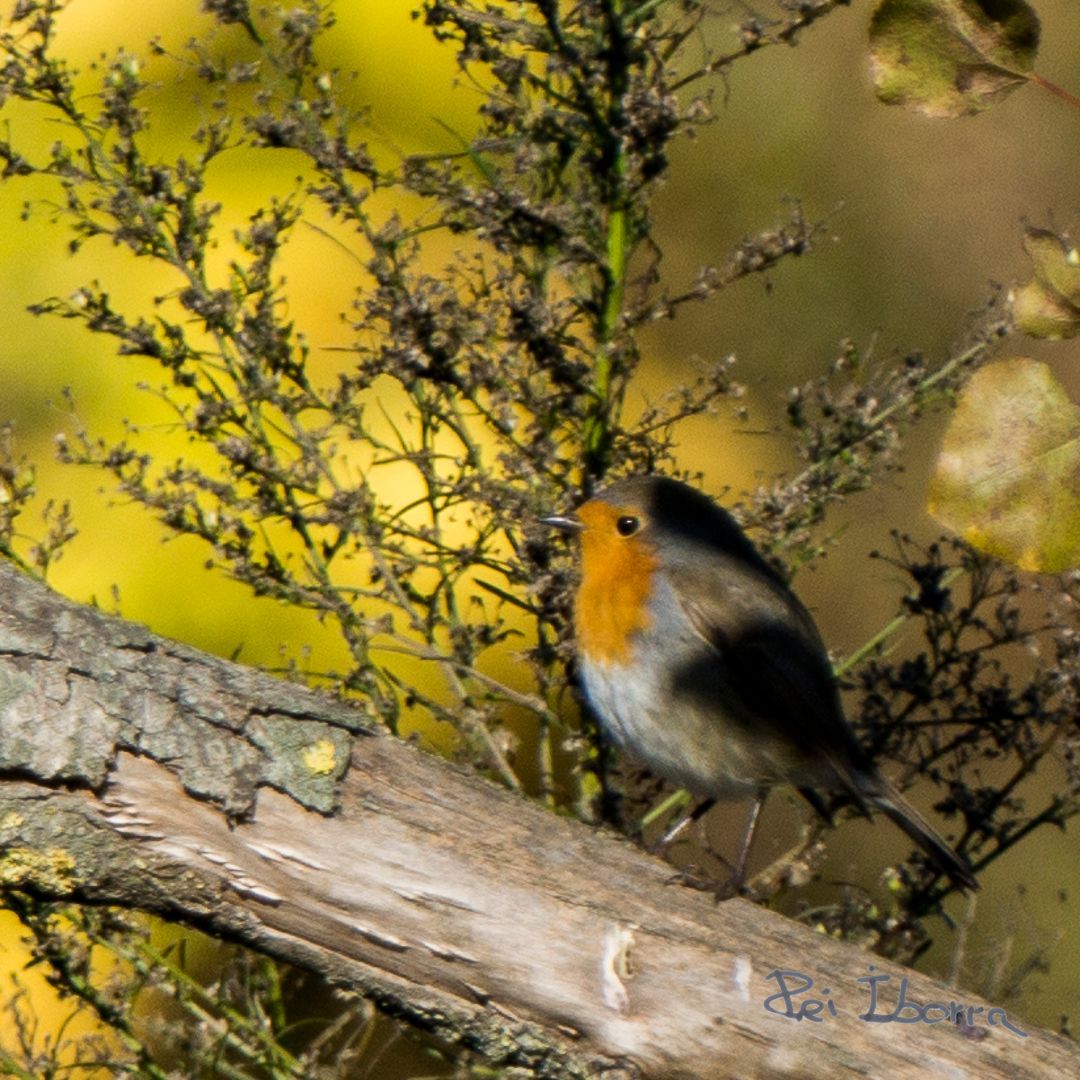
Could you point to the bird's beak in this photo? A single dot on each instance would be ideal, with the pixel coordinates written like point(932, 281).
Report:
point(563, 523)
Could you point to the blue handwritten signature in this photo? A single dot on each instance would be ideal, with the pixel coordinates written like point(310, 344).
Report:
point(794, 1001)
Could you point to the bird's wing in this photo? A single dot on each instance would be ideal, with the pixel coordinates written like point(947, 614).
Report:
point(774, 663)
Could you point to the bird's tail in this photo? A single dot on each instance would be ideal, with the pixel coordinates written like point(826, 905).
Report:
point(887, 799)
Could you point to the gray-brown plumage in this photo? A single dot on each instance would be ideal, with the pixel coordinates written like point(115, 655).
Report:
point(718, 678)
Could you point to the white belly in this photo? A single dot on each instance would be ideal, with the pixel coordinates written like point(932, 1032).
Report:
point(677, 742)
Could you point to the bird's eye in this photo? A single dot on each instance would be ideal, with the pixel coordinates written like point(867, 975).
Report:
point(627, 525)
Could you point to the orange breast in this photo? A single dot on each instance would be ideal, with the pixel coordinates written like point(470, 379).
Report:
point(616, 580)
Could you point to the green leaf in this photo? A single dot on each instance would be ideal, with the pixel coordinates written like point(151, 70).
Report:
point(1057, 263)
point(1040, 313)
point(1049, 305)
point(948, 58)
point(1008, 476)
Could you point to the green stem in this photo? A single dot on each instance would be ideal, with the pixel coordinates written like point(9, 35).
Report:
point(676, 801)
point(616, 257)
point(887, 631)
point(597, 426)
point(643, 11)
point(904, 402)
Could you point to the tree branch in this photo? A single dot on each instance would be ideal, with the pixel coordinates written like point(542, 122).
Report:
point(143, 773)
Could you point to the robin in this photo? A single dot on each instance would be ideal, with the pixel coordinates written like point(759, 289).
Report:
point(698, 659)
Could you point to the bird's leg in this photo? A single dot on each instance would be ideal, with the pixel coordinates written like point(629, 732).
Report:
point(738, 876)
point(734, 885)
point(684, 823)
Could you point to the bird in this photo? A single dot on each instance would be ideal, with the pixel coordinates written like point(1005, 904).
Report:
point(697, 658)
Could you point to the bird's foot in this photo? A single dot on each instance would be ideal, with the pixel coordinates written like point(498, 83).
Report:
point(722, 889)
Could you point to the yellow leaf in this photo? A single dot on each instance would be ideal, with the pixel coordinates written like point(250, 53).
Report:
point(1008, 475)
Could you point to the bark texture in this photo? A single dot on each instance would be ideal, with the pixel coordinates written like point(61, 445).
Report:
point(140, 772)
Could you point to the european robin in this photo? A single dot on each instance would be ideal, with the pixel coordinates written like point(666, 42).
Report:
point(699, 660)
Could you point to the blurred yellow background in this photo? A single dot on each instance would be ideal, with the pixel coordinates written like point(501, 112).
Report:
point(921, 217)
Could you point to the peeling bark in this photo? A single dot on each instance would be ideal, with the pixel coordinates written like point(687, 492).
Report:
point(140, 772)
